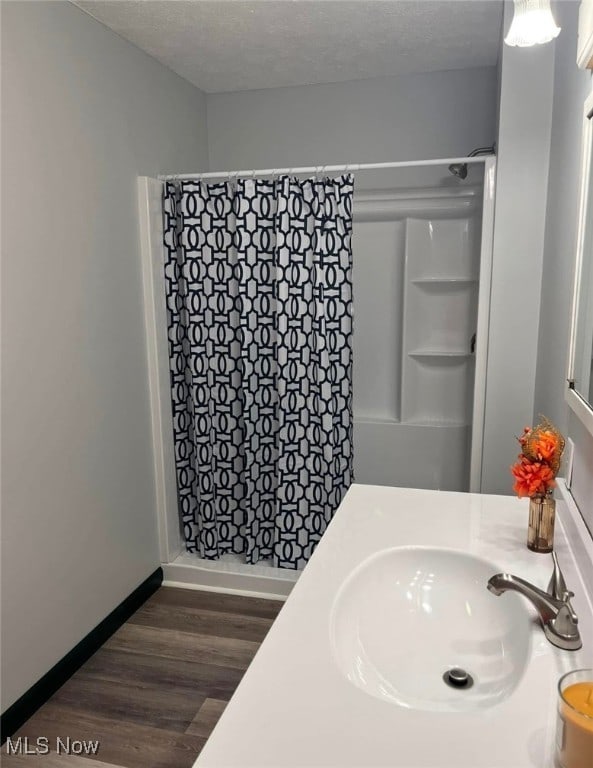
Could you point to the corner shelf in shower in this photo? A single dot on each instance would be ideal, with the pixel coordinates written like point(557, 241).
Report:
point(444, 281)
point(438, 355)
point(440, 307)
point(438, 423)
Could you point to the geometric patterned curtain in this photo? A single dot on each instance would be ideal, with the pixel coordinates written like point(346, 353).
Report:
point(259, 297)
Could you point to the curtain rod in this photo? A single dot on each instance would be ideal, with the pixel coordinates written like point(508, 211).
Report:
point(321, 169)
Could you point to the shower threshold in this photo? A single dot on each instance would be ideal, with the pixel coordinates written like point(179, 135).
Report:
point(230, 574)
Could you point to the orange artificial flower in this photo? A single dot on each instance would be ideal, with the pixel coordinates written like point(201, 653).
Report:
point(543, 443)
point(545, 446)
point(532, 478)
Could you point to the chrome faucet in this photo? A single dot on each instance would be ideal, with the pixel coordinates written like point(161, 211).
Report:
point(555, 611)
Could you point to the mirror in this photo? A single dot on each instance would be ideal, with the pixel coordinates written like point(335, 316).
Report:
point(580, 372)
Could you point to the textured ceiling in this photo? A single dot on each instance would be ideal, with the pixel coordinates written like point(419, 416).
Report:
point(235, 45)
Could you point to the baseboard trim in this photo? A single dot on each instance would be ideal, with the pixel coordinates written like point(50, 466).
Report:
point(225, 590)
point(186, 572)
point(38, 694)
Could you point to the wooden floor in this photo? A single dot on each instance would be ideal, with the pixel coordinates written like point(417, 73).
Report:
point(153, 693)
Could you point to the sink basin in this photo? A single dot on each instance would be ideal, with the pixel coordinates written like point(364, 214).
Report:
point(405, 616)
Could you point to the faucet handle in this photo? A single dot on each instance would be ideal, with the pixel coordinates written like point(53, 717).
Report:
point(557, 586)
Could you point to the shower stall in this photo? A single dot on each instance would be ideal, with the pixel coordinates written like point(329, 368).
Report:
point(422, 248)
point(421, 275)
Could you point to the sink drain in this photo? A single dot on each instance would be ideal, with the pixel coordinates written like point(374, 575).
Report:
point(458, 678)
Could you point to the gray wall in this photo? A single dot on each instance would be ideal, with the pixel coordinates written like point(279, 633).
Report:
point(526, 96)
point(83, 114)
point(438, 114)
point(571, 87)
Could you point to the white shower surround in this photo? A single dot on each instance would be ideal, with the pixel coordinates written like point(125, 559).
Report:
point(416, 283)
point(181, 569)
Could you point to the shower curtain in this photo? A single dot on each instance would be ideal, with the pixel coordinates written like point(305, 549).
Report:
point(259, 296)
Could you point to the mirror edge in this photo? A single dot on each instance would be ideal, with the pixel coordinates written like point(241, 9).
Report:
point(579, 406)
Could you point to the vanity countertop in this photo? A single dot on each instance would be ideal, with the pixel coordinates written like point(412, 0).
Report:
point(295, 708)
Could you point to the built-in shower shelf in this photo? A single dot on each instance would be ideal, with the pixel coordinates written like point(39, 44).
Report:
point(435, 355)
point(444, 281)
point(440, 423)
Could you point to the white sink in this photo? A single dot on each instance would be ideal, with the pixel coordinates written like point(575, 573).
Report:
point(406, 615)
point(370, 691)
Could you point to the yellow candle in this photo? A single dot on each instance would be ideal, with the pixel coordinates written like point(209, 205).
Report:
point(575, 732)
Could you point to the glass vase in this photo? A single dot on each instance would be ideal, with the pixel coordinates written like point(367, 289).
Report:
point(542, 515)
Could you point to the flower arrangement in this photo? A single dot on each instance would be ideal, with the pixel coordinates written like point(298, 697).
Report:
point(539, 461)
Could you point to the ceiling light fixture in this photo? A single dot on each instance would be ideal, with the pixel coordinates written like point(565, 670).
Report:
point(533, 24)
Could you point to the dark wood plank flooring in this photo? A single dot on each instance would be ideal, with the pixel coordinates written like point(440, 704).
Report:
point(153, 693)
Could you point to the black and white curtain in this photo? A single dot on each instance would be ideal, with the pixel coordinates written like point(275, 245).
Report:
point(259, 296)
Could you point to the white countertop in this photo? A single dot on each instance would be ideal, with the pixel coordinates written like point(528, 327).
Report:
point(295, 708)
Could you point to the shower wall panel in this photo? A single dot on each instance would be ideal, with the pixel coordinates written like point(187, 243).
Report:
point(416, 277)
point(411, 455)
point(378, 295)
